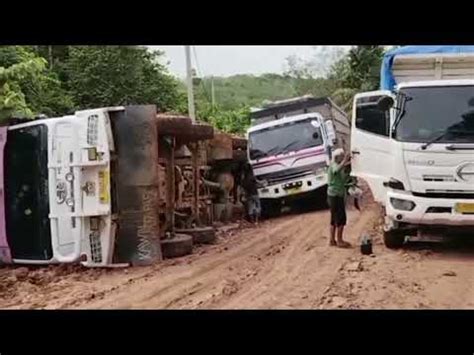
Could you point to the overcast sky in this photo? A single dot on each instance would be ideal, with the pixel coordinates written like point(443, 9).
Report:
point(230, 60)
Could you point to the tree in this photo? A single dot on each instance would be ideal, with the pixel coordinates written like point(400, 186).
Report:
point(13, 102)
point(41, 89)
point(358, 71)
point(310, 77)
point(230, 121)
point(119, 75)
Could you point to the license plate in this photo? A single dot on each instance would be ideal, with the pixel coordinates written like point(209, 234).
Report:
point(293, 191)
point(104, 195)
point(464, 207)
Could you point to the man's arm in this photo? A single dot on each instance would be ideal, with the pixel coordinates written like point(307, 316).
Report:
point(344, 162)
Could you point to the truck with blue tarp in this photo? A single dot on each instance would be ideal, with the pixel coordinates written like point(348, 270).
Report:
point(412, 141)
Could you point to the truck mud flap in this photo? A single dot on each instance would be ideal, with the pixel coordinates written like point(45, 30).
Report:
point(136, 185)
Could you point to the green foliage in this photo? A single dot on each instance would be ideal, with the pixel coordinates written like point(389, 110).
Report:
point(358, 71)
point(56, 80)
point(119, 75)
point(230, 121)
point(238, 90)
point(17, 68)
point(37, 88)
point(343, 98)
point(360, 68)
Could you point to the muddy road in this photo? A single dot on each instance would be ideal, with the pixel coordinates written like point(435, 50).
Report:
point(284, 263)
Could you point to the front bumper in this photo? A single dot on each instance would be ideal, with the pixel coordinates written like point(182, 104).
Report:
point(421, 215)
point(308, 184)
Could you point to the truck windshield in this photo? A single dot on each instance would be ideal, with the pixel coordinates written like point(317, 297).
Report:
point(444, 114)
point(26, 192)
point(283, 139)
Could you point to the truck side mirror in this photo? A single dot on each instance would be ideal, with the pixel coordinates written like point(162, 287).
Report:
point(315, 124)
point(330, 132)
point(385, 103)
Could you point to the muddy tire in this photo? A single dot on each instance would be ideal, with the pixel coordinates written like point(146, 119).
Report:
point(203, 235)
point(179, 245)
point(393, 239)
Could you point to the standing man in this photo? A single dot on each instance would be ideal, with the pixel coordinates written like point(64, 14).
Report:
point(250, 186)
point(337, 180)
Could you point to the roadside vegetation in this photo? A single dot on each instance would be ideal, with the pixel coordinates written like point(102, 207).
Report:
point(56, 80)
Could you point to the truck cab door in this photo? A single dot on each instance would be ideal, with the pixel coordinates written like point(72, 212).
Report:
point(370, 142)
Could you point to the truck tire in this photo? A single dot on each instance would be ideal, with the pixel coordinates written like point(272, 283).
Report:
point(393, 239)
point(203, 235)
point(179, 245)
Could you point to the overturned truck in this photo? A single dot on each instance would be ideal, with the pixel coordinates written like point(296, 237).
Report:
point(107, 187)
point(198, 170)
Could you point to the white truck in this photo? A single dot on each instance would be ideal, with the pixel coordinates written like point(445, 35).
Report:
point(289, 148)
point(413, 141)
point(68, 183)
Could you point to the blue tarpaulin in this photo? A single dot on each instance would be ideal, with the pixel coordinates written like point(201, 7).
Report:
point(387, 81)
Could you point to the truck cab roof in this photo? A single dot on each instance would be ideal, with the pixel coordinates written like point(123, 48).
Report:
point(457, 82)
point(283, 120)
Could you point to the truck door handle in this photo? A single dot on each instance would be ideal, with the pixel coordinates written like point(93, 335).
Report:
point(355, 152)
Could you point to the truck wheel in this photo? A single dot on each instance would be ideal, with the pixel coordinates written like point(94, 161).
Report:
point(393, 239)
point(203, 235)
point(179, 245)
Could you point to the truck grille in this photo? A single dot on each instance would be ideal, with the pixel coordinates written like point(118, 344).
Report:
point(438, 178)
point(446, 194)
point(290, 174)
point(96, 247)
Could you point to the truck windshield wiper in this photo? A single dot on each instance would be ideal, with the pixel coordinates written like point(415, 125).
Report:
point(434, 140)
point(442, 135)
point(275, 150)
point(257, 153)
point(288, 146)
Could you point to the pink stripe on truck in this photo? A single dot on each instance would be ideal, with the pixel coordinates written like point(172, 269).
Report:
point(5, 253)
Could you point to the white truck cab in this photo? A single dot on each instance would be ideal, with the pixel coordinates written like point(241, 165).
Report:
point(57, 190)
point(290, 155)
point(414, 144)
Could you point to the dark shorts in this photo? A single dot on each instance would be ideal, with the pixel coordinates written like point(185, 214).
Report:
point(338, 211)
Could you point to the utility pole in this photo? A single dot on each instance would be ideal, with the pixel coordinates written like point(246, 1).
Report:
point(213, 96)
point(189, 73)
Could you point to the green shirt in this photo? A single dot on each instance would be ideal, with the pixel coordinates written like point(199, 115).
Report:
point(337, 180)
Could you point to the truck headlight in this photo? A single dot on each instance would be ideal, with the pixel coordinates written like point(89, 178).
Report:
point(92, 129)
point(402, 205)
point(92, 154)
